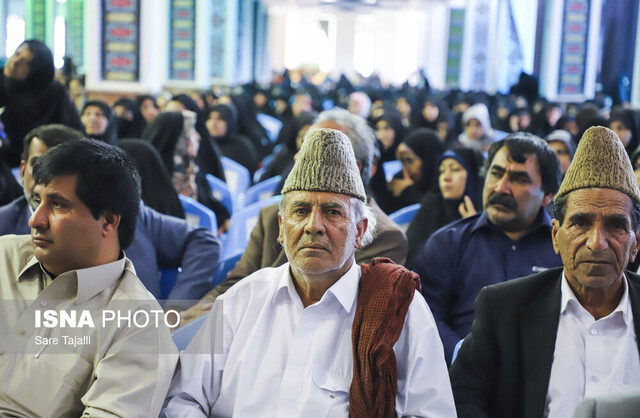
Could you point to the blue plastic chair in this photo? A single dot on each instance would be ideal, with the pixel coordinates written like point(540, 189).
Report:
point(391, 168)
point(237, 175)
point(403, 217)
point(264, 164)
point(183, 335)
point(221, 192)
point(258, 174)
point(240, 227)
point(271, 125)
point(261, 191)
point(224, 267)
point(198, 214)
point(16, 174)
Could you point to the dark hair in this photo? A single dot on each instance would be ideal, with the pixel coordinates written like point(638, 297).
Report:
point(52, 135)
point(107, 180)
point(521, 143)
point(560, 209)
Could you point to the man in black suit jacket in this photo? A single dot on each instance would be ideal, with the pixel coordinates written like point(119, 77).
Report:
point(505, 367)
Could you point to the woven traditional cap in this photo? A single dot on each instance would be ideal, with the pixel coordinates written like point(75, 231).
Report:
point(600, 162)
point(326, 163)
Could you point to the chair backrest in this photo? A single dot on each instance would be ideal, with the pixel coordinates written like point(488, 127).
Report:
point(404, 216)
point(224, 267)
point(222, 193)
point(390, 169)
point(183, 335)
point(240, 227)
point(261, 191)
point(237, 175)
point(198, 214)
point(271, 125)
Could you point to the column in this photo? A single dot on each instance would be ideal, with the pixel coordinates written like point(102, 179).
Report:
point(454, 47)
point(635, 89)
point(75, 33)
point(39, 20)
point(570, 50)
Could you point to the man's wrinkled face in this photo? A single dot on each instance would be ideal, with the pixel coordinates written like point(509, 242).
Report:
point(513, 194)
point(18, 65)
point(319, 233)
point(596, 240)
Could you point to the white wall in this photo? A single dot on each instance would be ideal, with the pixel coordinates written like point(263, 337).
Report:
point(406, 40)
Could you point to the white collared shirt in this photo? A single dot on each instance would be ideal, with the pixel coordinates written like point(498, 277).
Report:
point(261, 353)
point(591, 357)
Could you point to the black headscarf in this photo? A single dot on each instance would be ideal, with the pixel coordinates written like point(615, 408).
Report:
point(627, 117)
point(283, 161)
point(35, 101)
point(392, 117)
point(110, 134)
point(249, 126)
point(428, 146)
point(130, 128)
point(9, 187)
point(436, 211)
point(209, 153)
point(157, 189)
point(234, 145)
point(163, 133)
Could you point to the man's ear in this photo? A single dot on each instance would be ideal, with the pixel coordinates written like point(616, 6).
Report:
point(547, 199)
point(110, 224)
point(23, 168)
point(634, 248)
point(280, 234)
point(361, 228)
point(554, 235)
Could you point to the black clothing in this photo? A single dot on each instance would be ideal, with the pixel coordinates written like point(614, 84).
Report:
point(32, 102)
point(157, 189)
point(234, 145)
point(130, 127)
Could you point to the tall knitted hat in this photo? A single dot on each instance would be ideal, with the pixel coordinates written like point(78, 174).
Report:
point(326, 163)
point(600, 162)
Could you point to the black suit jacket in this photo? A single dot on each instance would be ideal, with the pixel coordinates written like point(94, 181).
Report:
point(504, 364)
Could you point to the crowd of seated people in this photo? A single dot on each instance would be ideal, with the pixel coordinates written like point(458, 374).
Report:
point(483, 168)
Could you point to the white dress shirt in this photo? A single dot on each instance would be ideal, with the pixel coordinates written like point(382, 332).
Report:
point(260, 353)
point(591, 357)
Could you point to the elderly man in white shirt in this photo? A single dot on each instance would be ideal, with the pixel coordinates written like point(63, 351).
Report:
point(542, 343)
point(282, 342)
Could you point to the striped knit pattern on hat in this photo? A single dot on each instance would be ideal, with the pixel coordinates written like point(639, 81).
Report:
point(600, 162)
point(326, 163)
